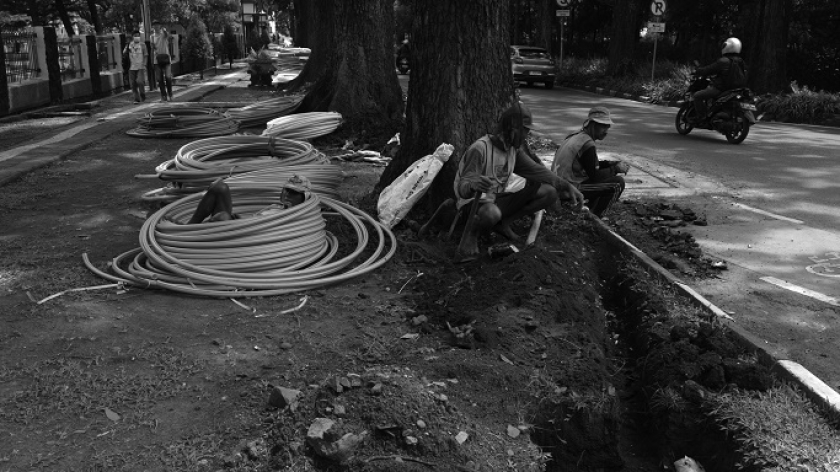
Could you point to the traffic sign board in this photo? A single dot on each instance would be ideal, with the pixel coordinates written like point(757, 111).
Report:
point(563, 3)
point(563, 13)
point(658, 7)
point(654, 27)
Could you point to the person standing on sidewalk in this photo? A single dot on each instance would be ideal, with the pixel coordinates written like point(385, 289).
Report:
point(163, 63)
point(138, 54)
point(577, 161)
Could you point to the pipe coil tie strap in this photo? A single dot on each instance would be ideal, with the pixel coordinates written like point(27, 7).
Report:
point(271, 149)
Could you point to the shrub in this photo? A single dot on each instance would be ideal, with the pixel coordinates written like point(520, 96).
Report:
point(230, 48)
point(197, 47)
point(801, 106)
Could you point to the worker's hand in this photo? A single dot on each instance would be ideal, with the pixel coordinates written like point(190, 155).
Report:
point(622, 167)
point(569, 193)
point(482, 185)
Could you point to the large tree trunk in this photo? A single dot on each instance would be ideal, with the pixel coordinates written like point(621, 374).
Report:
point(94, 16)
point(460, 83)
point(65, 17)
point(626, 18)
point(766, 25)
point(315, 27)
point(357, 78)
point(545, 11)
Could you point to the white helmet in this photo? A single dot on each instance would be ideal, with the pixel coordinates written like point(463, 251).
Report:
point(731, 46)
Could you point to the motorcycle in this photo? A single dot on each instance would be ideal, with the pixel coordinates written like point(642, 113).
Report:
point(731, 113)
point(402, 65)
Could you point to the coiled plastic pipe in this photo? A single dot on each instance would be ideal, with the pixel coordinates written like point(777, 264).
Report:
point(303, 125)
point(188, 122)
point(264, 158)
point(258, 255)
point(258, 114)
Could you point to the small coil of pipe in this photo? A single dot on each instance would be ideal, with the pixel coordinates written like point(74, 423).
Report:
point(258, 114)
point(303, 125)
point(187, 122)
point(203, 161)
point(261, 254)
point(199, 163)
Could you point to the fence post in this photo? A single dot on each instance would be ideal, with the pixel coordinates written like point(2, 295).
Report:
point(51, 62)
point(93, 65)
point(4, 84)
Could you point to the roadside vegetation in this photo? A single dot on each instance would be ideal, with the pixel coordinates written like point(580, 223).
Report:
point(800, 104)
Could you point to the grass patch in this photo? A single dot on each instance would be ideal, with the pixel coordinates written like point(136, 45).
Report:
point(778, 430)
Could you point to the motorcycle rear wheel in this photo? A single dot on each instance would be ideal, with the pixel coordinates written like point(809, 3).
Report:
point(681, 122)
point(739, 135)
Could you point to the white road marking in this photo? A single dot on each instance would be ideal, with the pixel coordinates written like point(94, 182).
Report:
point(767, 213)
point(802, 290)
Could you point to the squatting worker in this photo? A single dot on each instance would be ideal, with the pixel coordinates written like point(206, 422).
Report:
point(138, 54)
point(484, 171)
point(577, 161)
point(163, 63)
point(217, 204)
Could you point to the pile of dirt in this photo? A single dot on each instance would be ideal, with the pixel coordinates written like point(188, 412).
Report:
point(655, 227)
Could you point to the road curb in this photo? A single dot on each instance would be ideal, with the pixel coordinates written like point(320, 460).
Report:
point(817, 391)
point(43, 155)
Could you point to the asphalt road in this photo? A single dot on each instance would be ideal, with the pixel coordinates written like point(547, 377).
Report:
point(773, 206)
point(789, 170)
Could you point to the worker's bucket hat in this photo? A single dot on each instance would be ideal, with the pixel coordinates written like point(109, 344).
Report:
point(598, 115)
point(298, 183)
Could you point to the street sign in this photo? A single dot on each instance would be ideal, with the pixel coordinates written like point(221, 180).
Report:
point(563, 12)
point(658, 7)
point(563, 3)
point(654, 27)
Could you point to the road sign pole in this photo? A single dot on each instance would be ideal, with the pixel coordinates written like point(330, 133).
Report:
point(562, 37)
point(653, 65)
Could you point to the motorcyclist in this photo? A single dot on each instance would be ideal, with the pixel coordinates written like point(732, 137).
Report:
point(729, 71)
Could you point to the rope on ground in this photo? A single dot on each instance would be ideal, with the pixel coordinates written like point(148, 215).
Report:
point(303, 125)
point(186, 122)
point(263, 253)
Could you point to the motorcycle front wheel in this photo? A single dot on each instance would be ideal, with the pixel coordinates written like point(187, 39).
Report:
point(739, 134)
point(681, 122)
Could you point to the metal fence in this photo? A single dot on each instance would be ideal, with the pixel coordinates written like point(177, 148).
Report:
point(21, 54)
point(109, 57)
point(70, 58)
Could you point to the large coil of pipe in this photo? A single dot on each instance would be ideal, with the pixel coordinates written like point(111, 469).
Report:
point(186, 122)
point(303, 125)
point(260, 254)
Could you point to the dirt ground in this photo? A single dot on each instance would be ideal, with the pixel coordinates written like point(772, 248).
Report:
point(421, 365)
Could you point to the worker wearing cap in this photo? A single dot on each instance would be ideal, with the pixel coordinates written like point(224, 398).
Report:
point(485, 169)
point(217, 204)
point(577, 161)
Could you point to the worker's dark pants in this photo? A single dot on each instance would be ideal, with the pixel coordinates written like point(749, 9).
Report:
point(603, 194)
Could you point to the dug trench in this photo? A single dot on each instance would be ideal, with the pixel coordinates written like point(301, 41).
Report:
point(571, 344)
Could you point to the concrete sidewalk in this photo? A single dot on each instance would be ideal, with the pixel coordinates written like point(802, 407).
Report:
point(19, 160)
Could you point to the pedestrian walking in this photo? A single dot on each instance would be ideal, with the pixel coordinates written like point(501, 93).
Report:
point(138, 55)
point(163, 63)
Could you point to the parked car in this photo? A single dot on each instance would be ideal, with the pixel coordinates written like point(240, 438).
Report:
point(532, 64)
